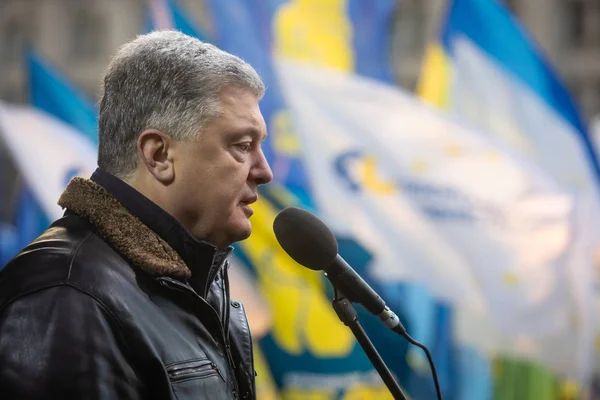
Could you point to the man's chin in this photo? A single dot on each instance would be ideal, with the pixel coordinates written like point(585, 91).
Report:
point(242, 232)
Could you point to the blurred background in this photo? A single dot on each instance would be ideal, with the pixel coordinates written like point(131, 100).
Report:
point(451, 145)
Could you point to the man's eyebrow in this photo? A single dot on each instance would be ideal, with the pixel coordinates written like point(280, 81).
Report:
point(249, 131)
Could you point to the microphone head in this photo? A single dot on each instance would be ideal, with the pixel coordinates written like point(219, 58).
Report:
point(305, 238)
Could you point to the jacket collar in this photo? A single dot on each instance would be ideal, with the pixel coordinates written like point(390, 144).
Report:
point(153, 240)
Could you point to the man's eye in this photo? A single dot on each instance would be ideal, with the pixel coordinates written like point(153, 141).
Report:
point(244, 147)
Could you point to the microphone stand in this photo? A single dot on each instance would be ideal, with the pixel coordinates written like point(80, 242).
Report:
point(348, 315)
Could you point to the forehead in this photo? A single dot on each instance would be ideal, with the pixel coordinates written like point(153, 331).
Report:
point(239, 109)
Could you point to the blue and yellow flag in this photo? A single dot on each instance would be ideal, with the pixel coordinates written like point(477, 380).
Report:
point(350, 35)
point(353, 36)
point(485, 67)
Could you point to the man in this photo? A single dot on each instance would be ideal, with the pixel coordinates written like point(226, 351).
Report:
point(127, 295)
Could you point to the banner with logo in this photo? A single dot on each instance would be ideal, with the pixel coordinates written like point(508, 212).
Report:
point(388, 152)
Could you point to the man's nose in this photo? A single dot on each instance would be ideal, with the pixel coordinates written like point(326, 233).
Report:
point(261, 172)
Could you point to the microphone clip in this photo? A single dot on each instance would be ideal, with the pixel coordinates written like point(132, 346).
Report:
point(344, 308)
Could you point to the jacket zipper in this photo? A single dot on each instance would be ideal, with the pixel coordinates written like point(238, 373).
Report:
point(207, 368)
point(227, 298)
point(226, 310)
point(174, 284)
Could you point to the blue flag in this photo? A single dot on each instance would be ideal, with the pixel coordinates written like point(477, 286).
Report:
point(51, 92)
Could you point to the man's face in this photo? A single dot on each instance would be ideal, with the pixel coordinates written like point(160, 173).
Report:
point(217, 173)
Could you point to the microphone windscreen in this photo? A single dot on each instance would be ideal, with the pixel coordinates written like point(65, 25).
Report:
point(305, 238)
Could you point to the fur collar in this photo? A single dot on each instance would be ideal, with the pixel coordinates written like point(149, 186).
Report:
point(125, 232)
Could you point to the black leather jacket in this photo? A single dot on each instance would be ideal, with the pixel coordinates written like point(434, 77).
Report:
point(101, 307)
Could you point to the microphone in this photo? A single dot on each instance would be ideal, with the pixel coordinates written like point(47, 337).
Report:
point(312, 244)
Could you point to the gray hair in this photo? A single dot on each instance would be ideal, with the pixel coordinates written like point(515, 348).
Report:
point(168, 81)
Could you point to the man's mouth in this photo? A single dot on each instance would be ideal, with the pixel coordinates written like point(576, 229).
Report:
point(246, 205)
point(249, 200)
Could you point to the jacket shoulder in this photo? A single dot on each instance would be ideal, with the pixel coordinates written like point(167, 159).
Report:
point(67, 253)
point(70, 331)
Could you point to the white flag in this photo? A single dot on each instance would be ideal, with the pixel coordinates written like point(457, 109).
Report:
point(406, 245)
point(374, 152)
point(47, 151)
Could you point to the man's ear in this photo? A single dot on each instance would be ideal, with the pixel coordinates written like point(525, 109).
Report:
point(155, 149)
